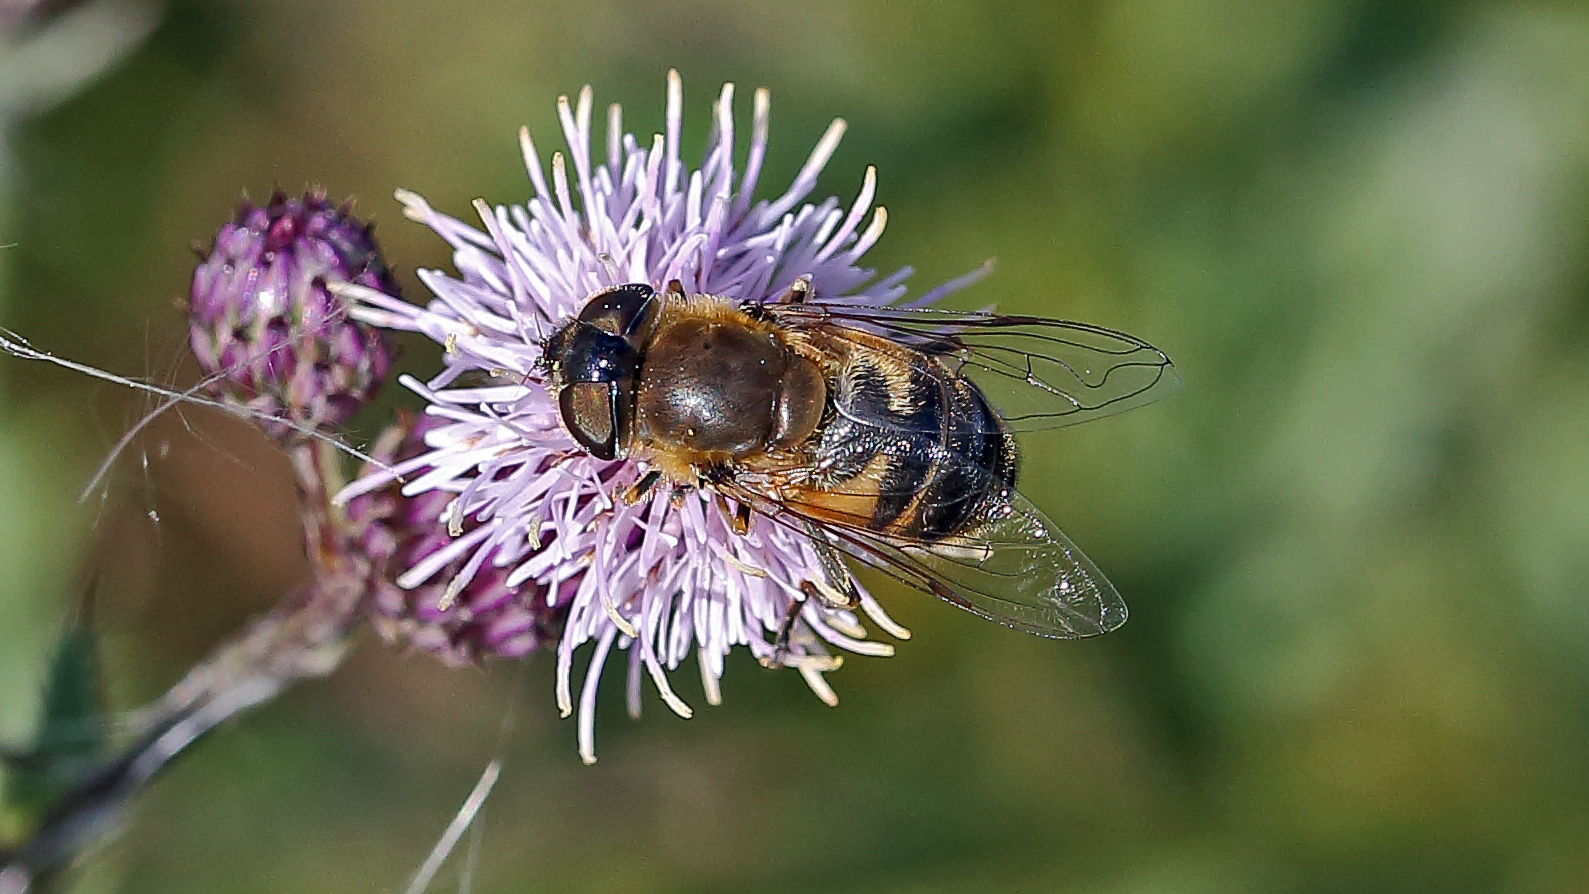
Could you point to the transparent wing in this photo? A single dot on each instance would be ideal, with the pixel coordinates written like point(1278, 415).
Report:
point(1017, 569)
point(1036, 372)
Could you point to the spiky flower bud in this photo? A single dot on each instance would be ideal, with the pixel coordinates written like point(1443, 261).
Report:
point(397, 533)
point(265, 326)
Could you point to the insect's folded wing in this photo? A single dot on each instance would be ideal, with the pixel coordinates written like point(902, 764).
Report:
point(1017, 569)
point(1039, 373)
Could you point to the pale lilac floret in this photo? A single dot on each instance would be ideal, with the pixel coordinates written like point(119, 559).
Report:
point(658, 579)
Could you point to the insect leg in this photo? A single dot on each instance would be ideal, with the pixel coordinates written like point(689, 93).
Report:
point(838, 590)
point(780, 645)
point(738, 518)
point(639, 489)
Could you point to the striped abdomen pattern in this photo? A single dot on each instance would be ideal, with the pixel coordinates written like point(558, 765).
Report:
point(921, 439)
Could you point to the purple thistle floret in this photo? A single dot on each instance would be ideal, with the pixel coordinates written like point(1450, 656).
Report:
point(263, 324)
point(660, 578)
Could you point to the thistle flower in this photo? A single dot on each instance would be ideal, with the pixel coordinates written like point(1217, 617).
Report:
point(662, 577)
point(263, 323)
point(394, 532)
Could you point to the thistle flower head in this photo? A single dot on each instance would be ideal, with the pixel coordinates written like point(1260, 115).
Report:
point(264, 325)
point(668, 575)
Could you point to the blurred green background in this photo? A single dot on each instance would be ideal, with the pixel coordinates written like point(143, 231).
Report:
point(1355, 545)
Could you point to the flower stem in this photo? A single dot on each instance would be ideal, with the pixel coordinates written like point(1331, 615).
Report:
point(305, 637)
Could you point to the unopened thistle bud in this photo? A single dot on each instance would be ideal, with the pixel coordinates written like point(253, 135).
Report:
point(267, 330)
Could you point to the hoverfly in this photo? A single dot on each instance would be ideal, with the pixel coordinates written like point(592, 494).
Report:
point(884, 433)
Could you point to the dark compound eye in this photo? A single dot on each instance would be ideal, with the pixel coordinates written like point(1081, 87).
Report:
point(595, 379)
point(589, 354)
point(623, 311)
point(596, 357)
point(596, 414)
point(587, 411)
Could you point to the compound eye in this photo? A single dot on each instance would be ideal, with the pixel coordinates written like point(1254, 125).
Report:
point(595, 413)
point(622, 311)
point(588, 353)
point(587, 413)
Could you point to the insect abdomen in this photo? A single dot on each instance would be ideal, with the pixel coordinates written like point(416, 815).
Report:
point(975, 468)
point(923, 444)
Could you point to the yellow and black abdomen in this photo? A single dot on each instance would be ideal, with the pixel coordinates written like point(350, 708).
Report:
point(918, 441)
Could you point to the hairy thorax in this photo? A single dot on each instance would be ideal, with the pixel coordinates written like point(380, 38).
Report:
point(717, 386)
